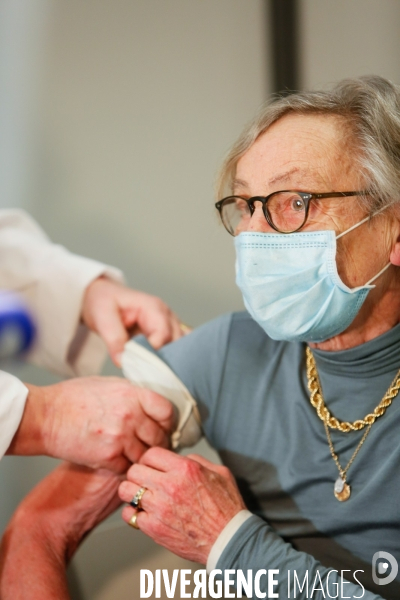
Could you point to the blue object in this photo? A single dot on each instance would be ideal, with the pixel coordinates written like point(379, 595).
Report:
point(17, 328)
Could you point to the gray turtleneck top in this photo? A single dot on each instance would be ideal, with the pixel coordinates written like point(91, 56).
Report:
point(254, 402)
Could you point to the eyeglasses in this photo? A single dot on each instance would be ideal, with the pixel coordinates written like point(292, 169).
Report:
point(286, 211)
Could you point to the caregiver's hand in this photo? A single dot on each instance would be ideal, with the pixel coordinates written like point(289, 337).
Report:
point(116, 312)
point(47, 528)
point(96, 421)
point(187, 502)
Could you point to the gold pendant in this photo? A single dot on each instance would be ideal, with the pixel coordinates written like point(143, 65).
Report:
point(341, 490)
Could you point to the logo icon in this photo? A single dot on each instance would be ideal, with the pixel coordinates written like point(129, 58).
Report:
point(380, 565)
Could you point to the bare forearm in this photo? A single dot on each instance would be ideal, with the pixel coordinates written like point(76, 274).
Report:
point(31, 568)
point(47, 528)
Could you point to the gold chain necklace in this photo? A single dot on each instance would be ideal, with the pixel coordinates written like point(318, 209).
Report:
point(318, 403)
point(341, 488)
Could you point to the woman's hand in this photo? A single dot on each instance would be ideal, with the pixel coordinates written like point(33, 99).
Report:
point(47, 528)
point(187, 502)
point(116, 312)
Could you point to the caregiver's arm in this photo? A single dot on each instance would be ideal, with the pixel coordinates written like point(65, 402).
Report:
point(96, 421)
point(47, 528)
point(52, 281)
point(80, 307)
point(187, 505)
point(75, 300)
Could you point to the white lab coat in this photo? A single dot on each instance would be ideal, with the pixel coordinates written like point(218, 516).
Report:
point(52, 281)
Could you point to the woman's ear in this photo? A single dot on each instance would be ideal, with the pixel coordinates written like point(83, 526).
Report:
point(395, 253)
point(394, 230)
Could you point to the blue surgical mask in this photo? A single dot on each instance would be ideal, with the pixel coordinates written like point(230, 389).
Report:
point(291, 286)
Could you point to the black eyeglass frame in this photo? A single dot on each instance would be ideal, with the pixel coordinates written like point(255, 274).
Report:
point(306, 197)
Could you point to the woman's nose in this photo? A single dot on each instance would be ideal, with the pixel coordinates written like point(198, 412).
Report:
point(258, 222)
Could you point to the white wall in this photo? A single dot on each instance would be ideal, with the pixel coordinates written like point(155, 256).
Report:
point(23, 28)
point(348, 38)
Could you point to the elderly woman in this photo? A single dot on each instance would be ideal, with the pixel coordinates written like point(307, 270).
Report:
point(298, 396)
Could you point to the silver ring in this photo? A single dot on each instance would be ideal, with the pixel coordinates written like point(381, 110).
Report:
point(135, 502)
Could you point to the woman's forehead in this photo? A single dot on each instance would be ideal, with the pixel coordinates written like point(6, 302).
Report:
point(297, 150)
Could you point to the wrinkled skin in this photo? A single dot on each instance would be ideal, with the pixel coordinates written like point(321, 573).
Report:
point(96, 421)
point(187, 503)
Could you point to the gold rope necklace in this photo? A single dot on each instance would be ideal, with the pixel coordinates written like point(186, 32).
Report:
point(341, 488)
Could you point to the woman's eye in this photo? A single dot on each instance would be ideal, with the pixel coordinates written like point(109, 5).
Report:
point(298, 204)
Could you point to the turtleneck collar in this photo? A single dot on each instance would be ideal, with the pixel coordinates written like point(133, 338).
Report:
point(378, 356)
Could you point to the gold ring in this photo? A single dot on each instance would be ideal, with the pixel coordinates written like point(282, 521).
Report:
point(135, 502)
point(133, 521)
point(185, 328)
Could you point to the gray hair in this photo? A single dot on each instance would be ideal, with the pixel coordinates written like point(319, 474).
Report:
point(369, 106)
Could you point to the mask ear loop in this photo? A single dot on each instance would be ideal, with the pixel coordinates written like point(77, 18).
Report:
point(361, 222)
point(380, 273)
point(358, 225)
point(354, 226)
